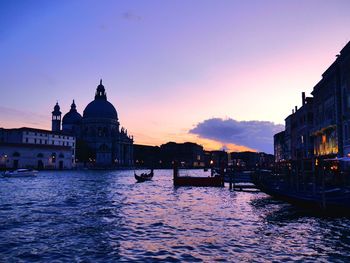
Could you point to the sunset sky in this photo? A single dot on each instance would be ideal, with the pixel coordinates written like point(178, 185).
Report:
point(221, 73)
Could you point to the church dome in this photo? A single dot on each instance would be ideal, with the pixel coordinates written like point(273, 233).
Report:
point(72, 117)
point(100, 107)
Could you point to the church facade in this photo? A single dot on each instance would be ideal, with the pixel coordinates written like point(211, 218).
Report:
point(101, 142)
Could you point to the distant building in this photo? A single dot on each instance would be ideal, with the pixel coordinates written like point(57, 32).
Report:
point(190, 155)
point(280, 147)
point(251, 160)
point(36, 148)
point(147, 156)
point(218, 158)
point(100, 140)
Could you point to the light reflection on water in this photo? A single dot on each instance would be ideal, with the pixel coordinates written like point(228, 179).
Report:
point(106, 216)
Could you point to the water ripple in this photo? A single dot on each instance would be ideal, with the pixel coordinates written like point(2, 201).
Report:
point(107, 217)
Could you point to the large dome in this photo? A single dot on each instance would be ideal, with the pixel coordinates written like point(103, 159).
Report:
point(100, 107)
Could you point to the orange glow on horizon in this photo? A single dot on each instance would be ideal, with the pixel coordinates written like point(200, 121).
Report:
point(207, 144)
point(148, 137)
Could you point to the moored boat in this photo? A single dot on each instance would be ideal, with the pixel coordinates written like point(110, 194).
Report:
point(210, 181)
point(330, 198)
point(335, 199)
point(21, 173)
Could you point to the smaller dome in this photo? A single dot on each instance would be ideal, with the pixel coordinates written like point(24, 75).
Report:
point(72, 117)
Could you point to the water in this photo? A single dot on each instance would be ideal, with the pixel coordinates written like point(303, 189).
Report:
point(94, 216)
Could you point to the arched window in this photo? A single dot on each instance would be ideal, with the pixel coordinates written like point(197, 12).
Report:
point(40, 155)
point(16, 154)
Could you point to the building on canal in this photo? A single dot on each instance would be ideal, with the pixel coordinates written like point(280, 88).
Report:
point(250, 160)
point(101, 142)
point(320, 128)
point(36, 148)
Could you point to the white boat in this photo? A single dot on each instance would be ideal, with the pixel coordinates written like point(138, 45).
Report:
point(21, 172)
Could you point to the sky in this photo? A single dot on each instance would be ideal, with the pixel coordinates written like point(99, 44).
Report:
point(224, 74)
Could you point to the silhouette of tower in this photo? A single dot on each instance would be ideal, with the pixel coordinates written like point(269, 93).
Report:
point(56, 118)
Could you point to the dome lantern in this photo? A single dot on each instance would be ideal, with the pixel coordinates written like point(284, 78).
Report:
point(100, 92)
point(100, 107)
point(73, 107)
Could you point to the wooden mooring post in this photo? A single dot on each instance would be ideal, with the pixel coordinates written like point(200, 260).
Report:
point(231, 182)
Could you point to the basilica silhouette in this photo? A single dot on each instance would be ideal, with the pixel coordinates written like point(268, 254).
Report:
point(100, 140)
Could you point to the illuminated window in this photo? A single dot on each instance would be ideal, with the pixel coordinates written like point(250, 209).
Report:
point(324, 138)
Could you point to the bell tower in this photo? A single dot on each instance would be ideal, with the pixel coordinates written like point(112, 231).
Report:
point(56, 118)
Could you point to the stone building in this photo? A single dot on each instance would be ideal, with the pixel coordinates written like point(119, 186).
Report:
point(36, 148)
point(188, 154)
point(101, 142)
point(321, 127)
point(279, 142)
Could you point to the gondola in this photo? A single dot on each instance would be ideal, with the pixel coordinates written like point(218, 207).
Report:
point(144, 176)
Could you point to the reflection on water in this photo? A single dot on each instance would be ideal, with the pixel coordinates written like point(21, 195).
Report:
point(106, 216)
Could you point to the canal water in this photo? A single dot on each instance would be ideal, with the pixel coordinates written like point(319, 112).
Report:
point(105, 216)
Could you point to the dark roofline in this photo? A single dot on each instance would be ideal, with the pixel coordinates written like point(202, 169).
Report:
point(279, 133)
point(345, 49)
point(38, 130)
point(343, 52)
point(146, 146)
point(31, 145)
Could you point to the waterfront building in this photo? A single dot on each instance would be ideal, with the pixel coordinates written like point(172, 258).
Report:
point(101, 142)
point(325, 129)
point(219, 158)
point(288, 137)
point(188, 154)
point(302, 123)
point(321, 127)
point(147, 156)
point(343, 116)
point(36, 148)
point(279, 146)
point(251, 160)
